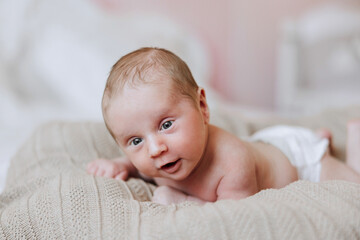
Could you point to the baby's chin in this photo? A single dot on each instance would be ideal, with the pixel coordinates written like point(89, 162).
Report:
point(180, 176)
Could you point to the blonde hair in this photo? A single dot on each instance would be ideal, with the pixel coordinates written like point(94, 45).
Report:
point(138, 66)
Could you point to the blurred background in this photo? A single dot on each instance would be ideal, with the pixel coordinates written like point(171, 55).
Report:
point(284, 57)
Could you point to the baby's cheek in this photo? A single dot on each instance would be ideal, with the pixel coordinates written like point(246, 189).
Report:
point(145, 165)
point(194, 143)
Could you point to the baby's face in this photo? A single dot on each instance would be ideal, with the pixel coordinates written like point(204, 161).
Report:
point(163, 133)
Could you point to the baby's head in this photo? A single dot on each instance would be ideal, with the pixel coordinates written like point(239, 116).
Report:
point(144, 66)
point(156, 113)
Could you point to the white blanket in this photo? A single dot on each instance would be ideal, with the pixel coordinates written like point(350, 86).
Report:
point(48, 195)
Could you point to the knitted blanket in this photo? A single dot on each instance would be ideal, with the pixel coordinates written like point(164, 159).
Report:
point(48, 195)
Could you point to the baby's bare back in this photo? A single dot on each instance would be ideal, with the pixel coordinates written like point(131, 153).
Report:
point(271, 166)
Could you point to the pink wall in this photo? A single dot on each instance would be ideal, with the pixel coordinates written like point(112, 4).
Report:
point(242, 36)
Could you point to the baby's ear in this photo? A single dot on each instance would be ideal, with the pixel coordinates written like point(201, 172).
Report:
point(203, 104)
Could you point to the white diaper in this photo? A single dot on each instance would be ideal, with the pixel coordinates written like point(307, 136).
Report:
point(300, 145)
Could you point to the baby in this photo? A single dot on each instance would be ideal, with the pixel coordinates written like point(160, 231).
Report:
point(159, 117)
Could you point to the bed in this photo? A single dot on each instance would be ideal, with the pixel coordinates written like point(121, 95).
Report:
point(48, 194)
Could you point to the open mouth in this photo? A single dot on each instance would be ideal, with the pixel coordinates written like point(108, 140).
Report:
point(171, 167)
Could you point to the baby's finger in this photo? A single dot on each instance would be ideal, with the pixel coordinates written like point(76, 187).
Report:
point(122, 176)
point(91, 168)
point(110, 173)
point(99, 172)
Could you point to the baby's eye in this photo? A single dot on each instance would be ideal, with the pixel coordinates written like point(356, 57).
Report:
point(136, 141)
point(166, 125)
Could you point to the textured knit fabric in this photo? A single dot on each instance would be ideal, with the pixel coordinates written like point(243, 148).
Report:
point(48, 195)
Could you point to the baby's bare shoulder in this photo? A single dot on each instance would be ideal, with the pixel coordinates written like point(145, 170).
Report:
point(229, 147)
point(235, 157)
point(239, 180)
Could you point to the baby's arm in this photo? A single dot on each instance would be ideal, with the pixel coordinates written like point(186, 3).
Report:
point(167, 195)
point(120, 168)
point(238, 186)
point(233, 185)
point(229, 188)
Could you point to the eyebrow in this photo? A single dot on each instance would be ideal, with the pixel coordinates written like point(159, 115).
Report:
point(123, 138)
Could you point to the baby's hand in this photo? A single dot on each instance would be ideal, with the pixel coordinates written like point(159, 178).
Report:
point(166, 195)
point(107, 168)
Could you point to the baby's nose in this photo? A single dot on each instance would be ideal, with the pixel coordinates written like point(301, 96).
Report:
point(156, 146)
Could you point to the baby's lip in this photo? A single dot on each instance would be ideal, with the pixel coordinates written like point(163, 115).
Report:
point(164, 162)
point(171, 167)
